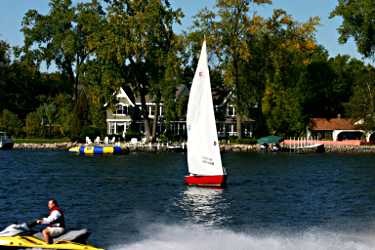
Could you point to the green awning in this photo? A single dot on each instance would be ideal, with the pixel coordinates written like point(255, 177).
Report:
point(271, 139)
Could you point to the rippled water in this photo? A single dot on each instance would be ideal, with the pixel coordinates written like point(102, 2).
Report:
point(138, 201)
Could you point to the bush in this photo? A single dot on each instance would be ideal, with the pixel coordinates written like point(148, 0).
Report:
point(246, 140)
point(250, 140)
point(33, 127)
point(91, 132)
point(10, 123)
point(130, 133)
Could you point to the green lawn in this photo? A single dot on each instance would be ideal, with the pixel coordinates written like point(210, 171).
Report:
point(41, 140)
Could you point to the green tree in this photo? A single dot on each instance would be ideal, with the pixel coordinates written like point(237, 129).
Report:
point(4, 69)
point(137, 41)
point(362, 103)
point(232, 34)
point(64, 37)
point(289, 49)
point(358, 23)
point(11, 123)
point(33, 126)
point(226, 30)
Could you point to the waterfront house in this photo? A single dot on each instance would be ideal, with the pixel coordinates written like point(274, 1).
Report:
point(336, 129)
point(119, 117)
point(124, 112)
point(226, 115)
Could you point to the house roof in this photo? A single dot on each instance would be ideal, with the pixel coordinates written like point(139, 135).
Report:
point(181, 90)
point(331, 124)
point(127, 94)
point(221, 95)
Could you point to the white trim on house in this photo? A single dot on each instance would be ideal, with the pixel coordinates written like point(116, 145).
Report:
point(119, 120)
point(368, 135)
point(113, 126)
point(122, 94)
point(335, 133)
point(123, 104)
point(149, 103)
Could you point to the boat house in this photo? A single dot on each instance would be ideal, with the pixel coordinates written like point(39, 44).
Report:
point(338, 129)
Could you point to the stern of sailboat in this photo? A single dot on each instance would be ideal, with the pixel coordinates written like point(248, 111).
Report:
point(206, 180)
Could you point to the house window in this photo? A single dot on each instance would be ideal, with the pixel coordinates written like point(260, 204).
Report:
point(151, 111)
point(122, 109)
point(161, 110)
point(112, 128)
point(231, 111)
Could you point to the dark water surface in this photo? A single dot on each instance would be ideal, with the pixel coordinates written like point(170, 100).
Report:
point(138, 201)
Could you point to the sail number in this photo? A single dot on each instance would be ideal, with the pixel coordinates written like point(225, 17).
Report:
point(207, 160)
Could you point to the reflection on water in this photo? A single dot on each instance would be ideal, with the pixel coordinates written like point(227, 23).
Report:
point(204, 205)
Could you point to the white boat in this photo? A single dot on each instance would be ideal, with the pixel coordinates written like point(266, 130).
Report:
point(5, 141)
point(203, 150)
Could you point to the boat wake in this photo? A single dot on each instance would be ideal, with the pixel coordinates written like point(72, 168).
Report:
point(187, 237)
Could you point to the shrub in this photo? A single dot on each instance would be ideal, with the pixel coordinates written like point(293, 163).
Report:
point(33, 127)
point(130, 133)
point(92, 132)
point(246, 140)
point(11, 123)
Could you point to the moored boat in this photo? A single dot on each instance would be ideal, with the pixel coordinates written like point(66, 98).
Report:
point(5, 141)
point(203, 150)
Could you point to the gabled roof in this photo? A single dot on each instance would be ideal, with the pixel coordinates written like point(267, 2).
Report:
point(221, 95)
point(122, 94)
point(331, 124)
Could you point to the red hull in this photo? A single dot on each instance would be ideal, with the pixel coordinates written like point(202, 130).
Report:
point(207, 181)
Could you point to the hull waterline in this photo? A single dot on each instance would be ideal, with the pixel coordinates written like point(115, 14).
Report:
point(6, 146)
point(206, 181)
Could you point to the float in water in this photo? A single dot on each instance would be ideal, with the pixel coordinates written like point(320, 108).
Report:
point(98, 150)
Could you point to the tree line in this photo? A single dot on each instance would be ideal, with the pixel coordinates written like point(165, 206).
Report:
point(273, 67)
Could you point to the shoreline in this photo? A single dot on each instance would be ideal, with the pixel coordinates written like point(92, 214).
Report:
point(157, 147)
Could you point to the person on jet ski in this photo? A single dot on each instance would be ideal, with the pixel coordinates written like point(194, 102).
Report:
point(55, 222)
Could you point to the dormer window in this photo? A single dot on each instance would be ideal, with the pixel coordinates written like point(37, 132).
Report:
point(231, 111)
point(122, 109)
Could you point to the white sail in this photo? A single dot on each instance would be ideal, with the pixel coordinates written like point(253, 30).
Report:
point(203, 146)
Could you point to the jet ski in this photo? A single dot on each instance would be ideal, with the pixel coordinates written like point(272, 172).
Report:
point(21, 236)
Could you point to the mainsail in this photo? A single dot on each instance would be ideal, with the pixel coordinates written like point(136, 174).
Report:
point(203, 146)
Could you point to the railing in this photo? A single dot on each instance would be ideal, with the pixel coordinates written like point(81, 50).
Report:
point(311, 145)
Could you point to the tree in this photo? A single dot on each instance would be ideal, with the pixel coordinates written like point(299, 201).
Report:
point(138, 39)
point(358, 23)
point(227, 32)
point(289, 49)
point(11, 123)
point(33, 124)
point(362, 103)
point(232, 30)
point(64, 37)
point(4, 69)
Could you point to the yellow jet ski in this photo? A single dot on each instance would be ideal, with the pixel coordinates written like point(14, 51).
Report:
point(20, 236)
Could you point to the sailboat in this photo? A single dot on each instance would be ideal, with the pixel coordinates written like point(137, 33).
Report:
point(203, 150)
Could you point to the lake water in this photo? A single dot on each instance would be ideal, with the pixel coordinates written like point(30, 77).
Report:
point(139, 201)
